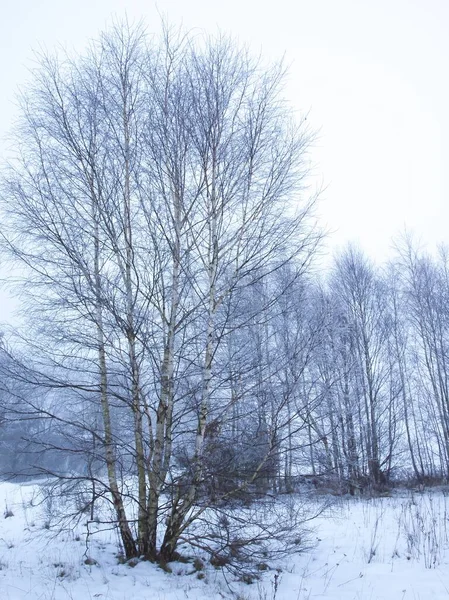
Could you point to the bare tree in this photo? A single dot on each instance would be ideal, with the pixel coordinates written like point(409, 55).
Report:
point(425, 289)
point(153, 184)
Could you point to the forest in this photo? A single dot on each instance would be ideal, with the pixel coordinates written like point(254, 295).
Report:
point(184, 358)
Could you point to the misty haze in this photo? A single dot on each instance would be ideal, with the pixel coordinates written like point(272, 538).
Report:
point(224, 312)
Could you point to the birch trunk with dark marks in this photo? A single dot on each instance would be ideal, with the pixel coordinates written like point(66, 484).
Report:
point(126, 535)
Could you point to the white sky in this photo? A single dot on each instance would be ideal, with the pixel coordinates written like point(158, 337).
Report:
point(372, 73)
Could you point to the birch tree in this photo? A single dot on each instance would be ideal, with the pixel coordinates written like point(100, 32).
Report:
point(154, 182)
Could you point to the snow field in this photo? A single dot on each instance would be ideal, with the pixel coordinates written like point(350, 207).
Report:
point(362, 549)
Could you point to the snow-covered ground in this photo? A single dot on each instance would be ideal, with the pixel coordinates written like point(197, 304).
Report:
point(371, 549)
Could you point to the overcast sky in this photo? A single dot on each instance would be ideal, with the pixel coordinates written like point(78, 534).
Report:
point(372, 74)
